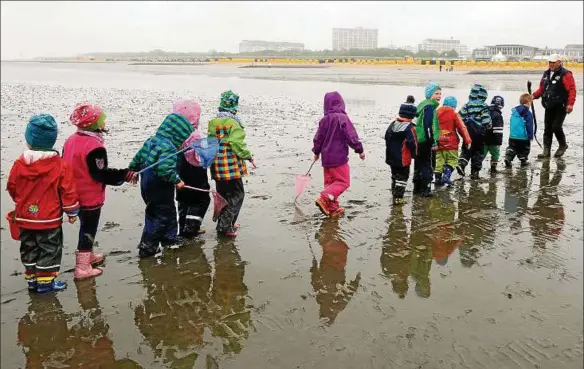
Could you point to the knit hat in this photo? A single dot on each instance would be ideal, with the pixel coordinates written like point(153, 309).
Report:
point(189, 109)
point(431, 88)
point(88, 117)
point(450, 101)
point(478, 92)
point(229, 102)
point(41, 132)
point(407, 111)
point(498, 101)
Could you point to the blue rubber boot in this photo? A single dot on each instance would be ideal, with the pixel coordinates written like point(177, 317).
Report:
point(446, 175)
point(32, 284)
point(438, 179)
point(54, 286)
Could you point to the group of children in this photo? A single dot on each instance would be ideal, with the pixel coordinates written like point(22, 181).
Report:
point(430, 135)
point(44, 184)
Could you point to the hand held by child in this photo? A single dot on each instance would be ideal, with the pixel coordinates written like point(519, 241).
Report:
point(316, 157)
point(253, 164)
point(180, 185)
point(362, 156)
point(72, 219)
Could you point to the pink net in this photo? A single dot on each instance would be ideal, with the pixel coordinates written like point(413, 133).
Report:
point(300, 185)
point(219, 203)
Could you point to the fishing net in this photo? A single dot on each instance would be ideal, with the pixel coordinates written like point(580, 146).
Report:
point(300, 184)
point(203, 151)
point(219, 202)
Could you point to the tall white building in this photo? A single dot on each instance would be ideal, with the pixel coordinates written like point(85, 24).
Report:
point(354, 38)
point(248, 46)
point(444, 45)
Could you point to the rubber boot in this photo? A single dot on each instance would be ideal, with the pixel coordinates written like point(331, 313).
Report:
point(474, 174)
point(546, 152)
point(438, 179)
point(460, 170)
point(560, 151)
point(427, 191)
point(494, 167)
point(446, 175)
point(83, 268)
point(32, 284)
point(53, 286)
point(524, 163)
point(96, 258)
point(417, 188)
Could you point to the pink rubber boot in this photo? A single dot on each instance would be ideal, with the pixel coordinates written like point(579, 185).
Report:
point(83, 268)
point(96, 258)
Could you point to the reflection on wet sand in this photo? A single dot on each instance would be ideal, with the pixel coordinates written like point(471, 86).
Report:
point(395, 252)
point(186, 298)
point(332, 291)
point(421, 257)
point(547, 216)
point(516, 197)
point(47, 341)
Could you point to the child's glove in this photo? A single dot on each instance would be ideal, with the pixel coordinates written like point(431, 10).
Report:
point(132, 177)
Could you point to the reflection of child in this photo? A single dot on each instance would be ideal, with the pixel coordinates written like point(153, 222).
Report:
point(400, 148)
point(334, 136)
point(451, 126)
point(85, 152)
point(42, 187)
point(494, 134)
point(157, 184)
point(192, 205)
point(520, 132)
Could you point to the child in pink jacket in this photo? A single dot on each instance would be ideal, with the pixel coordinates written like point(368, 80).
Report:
point(333, 138)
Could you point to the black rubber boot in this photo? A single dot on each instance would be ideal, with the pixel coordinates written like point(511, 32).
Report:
point(474, 174)
point(560, 151)
point(546, 152)
point(494, 167)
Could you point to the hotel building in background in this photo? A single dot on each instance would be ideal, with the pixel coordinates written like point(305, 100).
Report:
point(354, 38)
point(250, 46)
point(444, 45)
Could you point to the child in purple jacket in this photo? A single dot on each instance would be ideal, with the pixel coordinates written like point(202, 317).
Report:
point(334, 136)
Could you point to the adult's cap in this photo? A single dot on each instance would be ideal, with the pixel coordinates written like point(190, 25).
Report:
point(554, 58)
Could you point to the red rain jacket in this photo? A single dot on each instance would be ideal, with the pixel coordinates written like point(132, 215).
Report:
point(42, 187)
point(450, 127)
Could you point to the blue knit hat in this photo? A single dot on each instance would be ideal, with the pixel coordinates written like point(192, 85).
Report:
point(498, 101)
point(407, 111)
point(430, 89)
point(450, 101)
point(41, 132)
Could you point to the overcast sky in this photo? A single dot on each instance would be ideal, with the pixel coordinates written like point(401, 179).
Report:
point(31, 29)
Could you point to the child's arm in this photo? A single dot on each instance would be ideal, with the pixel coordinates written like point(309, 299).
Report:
point(11, 185)
point(352, 137)
point(136, 160)
point(69, 199)
point(236, 140)
point(485, 117)
point(167, 169)
point(428, 124)
point(462, 131)
point(318, 139)
point(411, 141)
point(529, 124)
point(99, 171)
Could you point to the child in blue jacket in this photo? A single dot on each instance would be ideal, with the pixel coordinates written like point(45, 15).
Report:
point(521, 132)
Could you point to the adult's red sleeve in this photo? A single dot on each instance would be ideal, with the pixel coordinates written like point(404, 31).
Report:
point(537, 94)
point(570, 85)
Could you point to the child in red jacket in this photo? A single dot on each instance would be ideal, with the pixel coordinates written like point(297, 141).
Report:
point(85, 152)
point(42, 187)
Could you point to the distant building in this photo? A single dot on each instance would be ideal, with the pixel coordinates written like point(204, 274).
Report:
point(354, 38)
point(574, 52)
point(444, 45)
point(512, 51)
point(543, 54)
point(250, 46)
point(409, 48)
point(481, 54)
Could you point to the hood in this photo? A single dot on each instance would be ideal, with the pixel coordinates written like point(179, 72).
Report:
point(478, 92)
point(398, 126)
point(334, 103)
point(521, 110)
point(176, 128)
point(38, 163)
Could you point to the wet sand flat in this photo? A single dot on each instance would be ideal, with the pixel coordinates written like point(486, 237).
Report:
point(487, 274)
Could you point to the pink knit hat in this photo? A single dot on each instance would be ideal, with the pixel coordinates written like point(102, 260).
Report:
point(189, 109)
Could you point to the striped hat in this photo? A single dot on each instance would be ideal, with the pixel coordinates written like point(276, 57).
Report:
point(478, 92)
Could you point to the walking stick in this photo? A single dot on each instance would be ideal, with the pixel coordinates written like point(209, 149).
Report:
point(533, 112)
